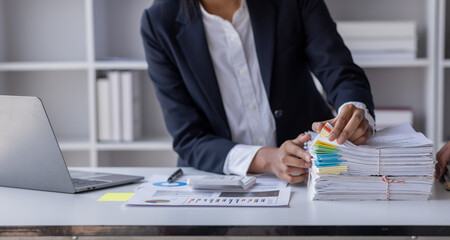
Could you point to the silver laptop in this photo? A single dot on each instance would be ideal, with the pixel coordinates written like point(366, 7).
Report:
point(30, 156)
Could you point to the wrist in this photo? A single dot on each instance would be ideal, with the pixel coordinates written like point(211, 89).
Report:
point(262, 162)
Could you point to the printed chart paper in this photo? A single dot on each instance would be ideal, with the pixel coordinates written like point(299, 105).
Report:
point(157, 192)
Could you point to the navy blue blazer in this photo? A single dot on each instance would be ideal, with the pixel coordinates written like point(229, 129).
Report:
point(293, 38)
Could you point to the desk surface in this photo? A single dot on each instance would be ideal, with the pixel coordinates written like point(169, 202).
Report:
point(29, 212)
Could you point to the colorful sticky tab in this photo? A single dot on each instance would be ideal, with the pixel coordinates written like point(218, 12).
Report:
point(324, 144)
point(118, 197)
point(322, 149)
point(322, 164)
point(332, 156)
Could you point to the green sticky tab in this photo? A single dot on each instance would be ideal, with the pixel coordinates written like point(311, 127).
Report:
point(115, 197)
point(322, 149)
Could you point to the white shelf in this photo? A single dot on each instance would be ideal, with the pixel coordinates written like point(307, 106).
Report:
point(421, 62)
point(41, 66)
point(143, 145)
point(74, 145)
point(121, 65)
point(446, 63)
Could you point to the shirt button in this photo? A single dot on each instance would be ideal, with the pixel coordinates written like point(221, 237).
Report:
point(259, 142)
point(251, 107)
point(242, 71)
point(278, 113)
point(232, 37)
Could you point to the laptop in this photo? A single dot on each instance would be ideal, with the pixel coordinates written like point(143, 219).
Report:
point(30, 156)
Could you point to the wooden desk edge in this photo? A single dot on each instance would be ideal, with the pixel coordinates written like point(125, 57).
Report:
point(28, 231)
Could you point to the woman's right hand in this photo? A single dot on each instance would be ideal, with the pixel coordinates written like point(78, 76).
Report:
point(442, 157)
point(290, 162)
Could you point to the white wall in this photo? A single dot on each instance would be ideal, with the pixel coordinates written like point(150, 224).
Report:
point(56, 27)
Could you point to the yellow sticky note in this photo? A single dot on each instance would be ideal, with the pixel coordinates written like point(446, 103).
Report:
point(324, 144)
point(116, 197)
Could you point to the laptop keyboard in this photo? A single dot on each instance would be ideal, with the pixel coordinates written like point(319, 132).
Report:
point(78, 182)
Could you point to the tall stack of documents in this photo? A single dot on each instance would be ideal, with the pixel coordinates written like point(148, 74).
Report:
point(395, 164)
point(380, 40)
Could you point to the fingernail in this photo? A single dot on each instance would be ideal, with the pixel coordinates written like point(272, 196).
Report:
point(307, 164)
point(332, 137)
point(341, 140)
point(314, 126)
point(307, 158)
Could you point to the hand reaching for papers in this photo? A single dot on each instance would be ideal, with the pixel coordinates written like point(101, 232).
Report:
point(442, 157)
point(289, 162)
point(351, 124)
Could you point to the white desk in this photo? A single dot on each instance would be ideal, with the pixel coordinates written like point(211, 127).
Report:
point(38, 213)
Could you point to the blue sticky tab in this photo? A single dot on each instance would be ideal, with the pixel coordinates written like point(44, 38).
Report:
point(328, 156)
point(321, 164)
point(329, 161)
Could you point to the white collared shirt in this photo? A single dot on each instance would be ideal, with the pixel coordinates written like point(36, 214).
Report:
point(235, 61)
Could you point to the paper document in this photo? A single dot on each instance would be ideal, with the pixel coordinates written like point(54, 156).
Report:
point(157, 192)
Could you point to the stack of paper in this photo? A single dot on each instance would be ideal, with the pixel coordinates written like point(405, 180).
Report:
point(396, 164)
point(375, 40)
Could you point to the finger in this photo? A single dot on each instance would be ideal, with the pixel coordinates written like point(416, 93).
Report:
point(291, 161)
point(360, 131)
point(363, 139)
point(443, 161)
point(293, 171)
point(437, 171)
point(293, 179)
point(443, 149)
point(350, 127)
point(341, 121)
point(317, 126)
point(301, 139)
point(291, 149)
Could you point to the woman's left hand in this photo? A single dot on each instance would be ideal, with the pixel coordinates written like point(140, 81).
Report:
point(351, 124)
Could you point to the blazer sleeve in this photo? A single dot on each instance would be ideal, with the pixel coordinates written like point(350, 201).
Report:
point(193, 137)
point(330, 60)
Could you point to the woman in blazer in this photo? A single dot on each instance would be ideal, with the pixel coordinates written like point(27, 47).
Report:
point(233, 78)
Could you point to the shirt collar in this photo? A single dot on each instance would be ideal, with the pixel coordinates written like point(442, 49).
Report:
point(236, 16)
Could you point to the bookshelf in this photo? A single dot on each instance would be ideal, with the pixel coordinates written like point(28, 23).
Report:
point(402, 83)
point(56, 49)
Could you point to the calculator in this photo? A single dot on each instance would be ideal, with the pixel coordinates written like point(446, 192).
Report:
point(222, 182)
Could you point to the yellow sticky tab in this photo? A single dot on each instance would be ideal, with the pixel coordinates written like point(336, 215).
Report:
point(118, 197)
point(320, 143)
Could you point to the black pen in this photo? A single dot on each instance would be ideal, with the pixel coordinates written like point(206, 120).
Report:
point(178, 173)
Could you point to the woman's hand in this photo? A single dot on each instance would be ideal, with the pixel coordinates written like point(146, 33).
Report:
point(351, 124)
point(290, 162)
point(442, 157)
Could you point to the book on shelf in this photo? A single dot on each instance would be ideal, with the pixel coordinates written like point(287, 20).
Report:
point(118, 107)
point(103, 109)
point(131, 107)
point(380, 40)
point(387, 117)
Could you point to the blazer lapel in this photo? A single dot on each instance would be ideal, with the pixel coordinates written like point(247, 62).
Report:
point(192, 41)
point(263, 18)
